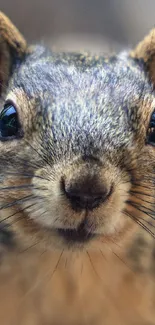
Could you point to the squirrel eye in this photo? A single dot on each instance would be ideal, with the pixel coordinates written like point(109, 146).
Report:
point(9, 124)
point(151, 131)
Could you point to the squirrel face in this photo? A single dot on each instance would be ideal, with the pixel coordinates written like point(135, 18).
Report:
point(77, 155)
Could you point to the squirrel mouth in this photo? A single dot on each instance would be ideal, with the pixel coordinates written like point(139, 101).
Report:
point(79, 235)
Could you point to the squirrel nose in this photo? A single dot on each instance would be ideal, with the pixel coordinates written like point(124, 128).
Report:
point(82, 201)
point(86, 194)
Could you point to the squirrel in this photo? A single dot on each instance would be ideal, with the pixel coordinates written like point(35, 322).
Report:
point(77, 176)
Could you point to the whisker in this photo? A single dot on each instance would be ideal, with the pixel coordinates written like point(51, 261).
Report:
point(143, 186)
point(89, 257)
point(120, 258)
point(148, 211)
point(148, 222)
point(57, 264)
point(23, 199)
point(141, 199)
point(139, 223)
point(26, 175)
point(125, 182)
point(40, 281)
point(41, 156)
point(16, 187)
point(141, 193)
point(13, 214)
point(23, 187)
point(103, 255)
point(29, 247)
point(122, 261)
point(81, 268)
point(115, 243)
point(30, 164)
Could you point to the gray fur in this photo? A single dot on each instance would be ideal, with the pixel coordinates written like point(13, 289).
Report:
point(88, 104)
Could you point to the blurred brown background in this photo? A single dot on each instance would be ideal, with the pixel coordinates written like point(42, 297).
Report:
point(83, 24)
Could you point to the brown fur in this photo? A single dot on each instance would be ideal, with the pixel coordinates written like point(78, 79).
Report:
point(11, 42)
point(146, 51)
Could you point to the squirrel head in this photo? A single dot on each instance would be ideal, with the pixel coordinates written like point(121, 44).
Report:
point(77, 136)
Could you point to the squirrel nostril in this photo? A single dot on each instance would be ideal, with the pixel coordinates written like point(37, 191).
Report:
point(85, 195)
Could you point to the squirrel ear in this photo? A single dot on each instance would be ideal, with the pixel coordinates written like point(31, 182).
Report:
point(12, 48)
point(145, 51)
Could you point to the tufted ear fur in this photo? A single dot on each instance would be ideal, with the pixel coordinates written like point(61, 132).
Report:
point(12, 48)
point(145, 51)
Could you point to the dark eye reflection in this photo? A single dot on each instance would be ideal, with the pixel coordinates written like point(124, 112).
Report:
point(151, 131)
point(9, 124)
